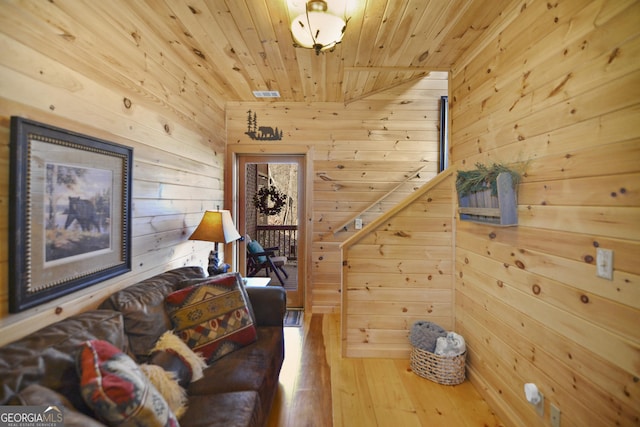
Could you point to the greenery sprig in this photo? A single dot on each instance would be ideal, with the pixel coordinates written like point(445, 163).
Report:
point(479, 179)
point(269, 200)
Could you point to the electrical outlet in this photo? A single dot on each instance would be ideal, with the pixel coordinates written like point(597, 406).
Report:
point(358, 223)
point(555, 416)
point(604, 263)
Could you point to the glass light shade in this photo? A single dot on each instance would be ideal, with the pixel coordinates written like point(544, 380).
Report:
point(216, 226)
point(317, 30)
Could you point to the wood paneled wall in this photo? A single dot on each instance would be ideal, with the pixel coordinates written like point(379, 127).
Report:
point(361, 150)
point(178, 153)
point(555, 86)
point(398, 271)
point(558, 88)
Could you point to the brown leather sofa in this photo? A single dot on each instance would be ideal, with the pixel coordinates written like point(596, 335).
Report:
point(237, 389)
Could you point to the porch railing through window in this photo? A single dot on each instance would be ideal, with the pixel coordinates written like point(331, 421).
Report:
point(283, 236)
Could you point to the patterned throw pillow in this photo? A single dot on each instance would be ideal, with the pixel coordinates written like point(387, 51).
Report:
point(116, 389)
point(214, 317)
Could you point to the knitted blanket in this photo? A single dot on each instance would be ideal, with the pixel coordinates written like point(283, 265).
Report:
point(424, 335)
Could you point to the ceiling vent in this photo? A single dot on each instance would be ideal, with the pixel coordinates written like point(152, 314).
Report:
point(266, 94)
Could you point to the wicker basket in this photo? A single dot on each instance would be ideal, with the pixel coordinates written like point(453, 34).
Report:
point(447, 370)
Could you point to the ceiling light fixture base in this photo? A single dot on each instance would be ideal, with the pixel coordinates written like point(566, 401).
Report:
point(318, 28)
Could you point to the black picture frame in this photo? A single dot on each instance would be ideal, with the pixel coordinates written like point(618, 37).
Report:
point(69, 212)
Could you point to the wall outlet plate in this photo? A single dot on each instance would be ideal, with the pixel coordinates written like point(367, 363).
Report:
point(604, 263)
point(358, 223)
point(555, 416)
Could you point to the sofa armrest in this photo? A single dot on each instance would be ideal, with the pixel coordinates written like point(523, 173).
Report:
point(269, 304)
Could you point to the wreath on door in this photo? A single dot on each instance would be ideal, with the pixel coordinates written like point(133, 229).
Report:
point(269, 200)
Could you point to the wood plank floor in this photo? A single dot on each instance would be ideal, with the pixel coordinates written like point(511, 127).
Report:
point(320, 388)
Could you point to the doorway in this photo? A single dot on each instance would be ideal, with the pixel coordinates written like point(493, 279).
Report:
point(270, 204)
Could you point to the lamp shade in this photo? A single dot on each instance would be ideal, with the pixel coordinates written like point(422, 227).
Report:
point(216, 226)
point(317, 30)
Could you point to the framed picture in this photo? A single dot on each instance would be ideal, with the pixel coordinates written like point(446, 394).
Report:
point(69, 212)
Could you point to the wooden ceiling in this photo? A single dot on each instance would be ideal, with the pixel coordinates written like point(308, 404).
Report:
point(225, 49)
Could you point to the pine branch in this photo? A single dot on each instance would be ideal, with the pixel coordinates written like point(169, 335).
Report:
point(483, 177)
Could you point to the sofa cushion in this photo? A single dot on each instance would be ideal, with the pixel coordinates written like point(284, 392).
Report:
point(48, 355)
point(255, 367)
point(269, 304)
point(214, 317)
point(117, 390)
point(37, 395)
point(142, 307)
point(241, 408)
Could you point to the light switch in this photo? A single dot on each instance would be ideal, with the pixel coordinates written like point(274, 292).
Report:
point(604, 263)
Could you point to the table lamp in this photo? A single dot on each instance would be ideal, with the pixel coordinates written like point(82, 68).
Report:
point(217, 227)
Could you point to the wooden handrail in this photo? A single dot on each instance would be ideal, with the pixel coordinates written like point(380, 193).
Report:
point(343, 227)
point(398, 208)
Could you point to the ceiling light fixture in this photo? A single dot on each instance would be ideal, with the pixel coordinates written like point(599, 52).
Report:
point(317, 28)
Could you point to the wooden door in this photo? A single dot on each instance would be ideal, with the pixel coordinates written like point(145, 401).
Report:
point(286, 174)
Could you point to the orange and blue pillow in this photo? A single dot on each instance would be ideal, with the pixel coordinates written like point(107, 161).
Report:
point(117, 390)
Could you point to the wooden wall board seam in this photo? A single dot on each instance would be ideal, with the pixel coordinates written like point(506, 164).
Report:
point(607, 377)
point(564, 384)
point(619, 350)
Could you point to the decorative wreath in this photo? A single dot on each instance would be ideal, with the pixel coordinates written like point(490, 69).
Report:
point(269, 200)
